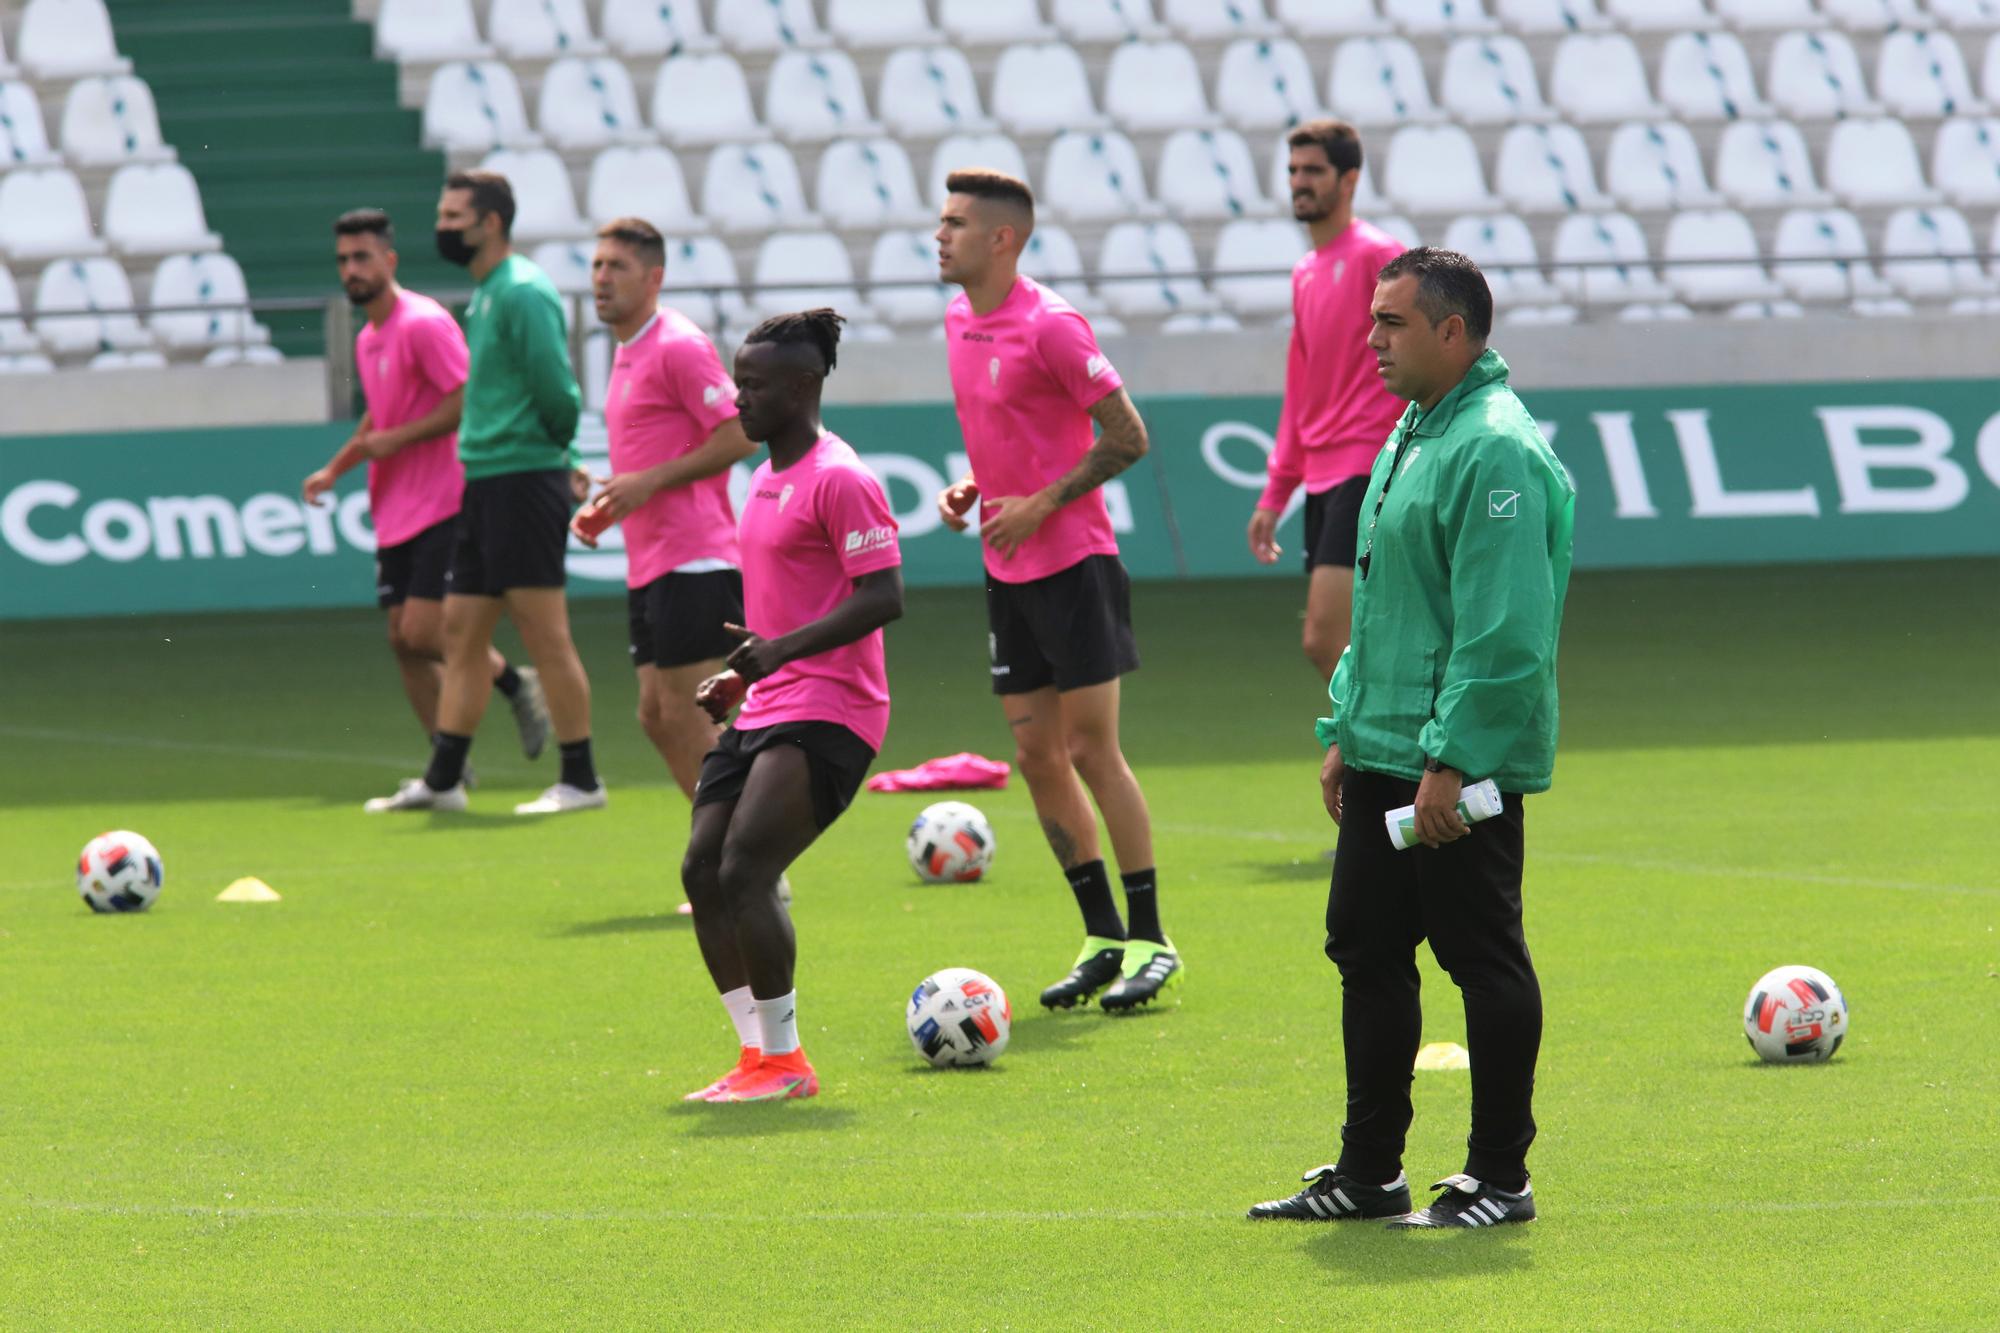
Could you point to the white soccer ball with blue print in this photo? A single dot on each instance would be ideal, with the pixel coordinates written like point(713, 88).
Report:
point(959, 1017)
point(119, 872)
point(951, 843)
point(1795, 1015)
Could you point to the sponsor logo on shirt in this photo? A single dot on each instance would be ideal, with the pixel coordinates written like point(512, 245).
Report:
point(785, 497)
point(1097, 365)
point(970, 337)
point(1503, 504)
point(767, 495)
point(863, 540)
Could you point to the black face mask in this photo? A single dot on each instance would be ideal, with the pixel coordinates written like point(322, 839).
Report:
point(453, 248)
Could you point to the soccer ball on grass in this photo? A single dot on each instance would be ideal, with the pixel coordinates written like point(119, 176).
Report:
point(951, 843)
point(959, 1017)
point(1795, 1015)
point(119, 872)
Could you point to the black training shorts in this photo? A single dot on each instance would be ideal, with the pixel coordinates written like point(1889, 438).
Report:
point(512, 531)
point(1070, 630)
point(417, 567)
point(1333, 520)
point(836, 761)
point(677, 619)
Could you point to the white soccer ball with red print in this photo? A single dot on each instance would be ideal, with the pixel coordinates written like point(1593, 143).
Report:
point(951, 843)
point(119, 872)
point(1795, 1015)
point(959, 1017)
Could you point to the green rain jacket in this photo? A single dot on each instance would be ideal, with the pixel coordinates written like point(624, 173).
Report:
point(1465, 545)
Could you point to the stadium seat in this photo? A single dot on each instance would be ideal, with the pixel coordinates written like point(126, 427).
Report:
point(1095, 177)
point(1368, 200)
point(643, 181)
point(85, 305)
point(213, 282)
point(24, 139)
point(1874, 16)
point(1219, 20)
point(1042, 89)
point(1435, 169)
point(155, 209)
point(250, 354)
point(107, 121)
point(1874, 162)
point(140, 359)
point(1922, 74)
point(996, 151)
point(906, 257)
point(1764, 164)
point(1156, 86)
point(993, 22)
point(475, 106)
point(1817, 76)
point(866, 23)
point(1826, 256)
point(1980, 15)
point(810, 96)
point(1548, 17)
point(1491, 81)
point(768, 25)
point(702, 281)
point(1928, 254)
point(541, 29)
point(1514, 316)
point(1106, 20)
point(1144, 268)
point(1713, 259)
point(928, 91)
point(1379, 81)
point(1209, 322)
point(1769, 15)
point(1330, 18)
point(1399, 227)
point(1504, 249)
point(28, 363)
point(1431, 17)
point(1599, 78)
point(1660, 16)
point(803, 269)
point(43, 215)
point(753, 187)
point(544, 200)
point(15, 339)
point(1965, 164)
point(567, 263)
point(1262, 85)
point(868, 183)
point(655, 27)
point(1209, 174)
point(1051, 256)
point(1767, 310)
point(1609, 258)
point(703, 99)
point(67, 39)
point(428, 30)
point(1264, 250)
point(1654, 165)
point(1653, 312)
point(588, 103)
point(1707, 76)
point(1546, 169)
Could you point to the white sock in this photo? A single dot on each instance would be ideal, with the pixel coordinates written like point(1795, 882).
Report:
point(778, 1021)
point(743, 1013)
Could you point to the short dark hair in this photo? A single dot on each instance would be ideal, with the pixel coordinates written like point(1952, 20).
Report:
point(1448, 284)
point(366, 222)
point(820, 327)
point(986, 183)
point(490, 194)
point(641, 235)
point(1340, 141)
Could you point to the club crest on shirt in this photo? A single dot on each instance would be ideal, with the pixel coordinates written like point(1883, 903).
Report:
point(625, 391)
point(993, 370)
point(1097, 365)
point(785, 498)
point(710, 394)
point(382, 365)
point(1339, 267)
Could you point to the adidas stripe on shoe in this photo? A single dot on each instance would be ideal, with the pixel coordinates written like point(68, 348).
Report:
point(1464, 1201)
point(1332, 1197)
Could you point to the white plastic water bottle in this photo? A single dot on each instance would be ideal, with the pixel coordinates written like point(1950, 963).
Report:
point(1479, 801)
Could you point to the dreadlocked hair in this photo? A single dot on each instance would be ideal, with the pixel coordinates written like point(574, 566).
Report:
point(820, 327)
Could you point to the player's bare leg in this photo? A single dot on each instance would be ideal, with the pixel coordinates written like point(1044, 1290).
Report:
point(1329, 616)
point(715, 934)
point(463, 686)
point(541, 617)
point(416, 637)
point(678, 727)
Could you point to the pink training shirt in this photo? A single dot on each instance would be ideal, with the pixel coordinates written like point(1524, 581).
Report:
point(1337, 415)
point(409, 365)
point(1025, 377)
point(807, 533)
point(668, 393)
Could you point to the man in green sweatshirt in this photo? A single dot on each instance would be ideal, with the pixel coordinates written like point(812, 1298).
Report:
point(521, 409)
point(1449, 679)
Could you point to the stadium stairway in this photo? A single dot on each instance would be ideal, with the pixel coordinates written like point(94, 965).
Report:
point(286, 119)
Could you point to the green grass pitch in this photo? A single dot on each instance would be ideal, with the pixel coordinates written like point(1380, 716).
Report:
point(438, 1085)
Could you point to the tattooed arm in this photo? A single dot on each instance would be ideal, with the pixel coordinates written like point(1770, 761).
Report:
point(1121, 442)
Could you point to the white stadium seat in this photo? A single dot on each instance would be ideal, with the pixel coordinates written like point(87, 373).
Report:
point(1218, 20)
point(1707, 76)
point(213, 282)
point(1828, 254)
point(1052, 257)
point(1598, 78)
point(1431, 17)
point(1713, 258)
point(1142, 270)
point(106, 121)
point(588, 103)
point(428, 30)
point(1817, 76)
point(1769, 15)
point(815, 95)
point(24, 139)
point(541, 29)
point(906, 257)
point(1209, 174)
point(703, 99)
point(1966, 161)
point(253, 354)
point(1504, 249)
point(1106, 20)
point(1989, 70)
point(567, 263)
point(32, 363)
point(1967, 14)
point(1764, 164)
point(993, 22)
point(1655, 165)
point(865, 23)
point(473, 106)
point(1547, 169)
point(1210, 322)
point(995, 151)
point(1435, 169)
point(803, 269)
point(1262, 85)
point(141, 359)
point(155, 209)
point(1399, 227)
point(1922, 74)
point(1874, 162)
point(1379, 81)
point(1767, 310)
point(15, 339)
point(67, 39)
point(928, 91)
point(1490, 81)
point(1659, 15)
point(1928, 255)
point(868, 183)
point(643, 181)
point(1330, 18)
point(1155, 86)
point(1095, 176)
point(544, 200)
point(1368, 200)
point(1608, 258)
point(1652, 312)
point(702, 282)
point(753, 187)
point(43, 215)
point(1545, 17)
point(1267, 248)
point(655, 27)
point(768, 25)
point(1874, 16)
point(1042, 89)
point(85, 305)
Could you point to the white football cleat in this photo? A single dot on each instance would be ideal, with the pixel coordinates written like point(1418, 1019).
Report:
point(563, 798)
point(414, 795)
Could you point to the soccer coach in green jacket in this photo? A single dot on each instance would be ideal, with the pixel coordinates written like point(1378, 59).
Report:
point(1449, 679)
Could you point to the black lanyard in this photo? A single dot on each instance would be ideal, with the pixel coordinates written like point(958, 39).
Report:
point(1395, 463)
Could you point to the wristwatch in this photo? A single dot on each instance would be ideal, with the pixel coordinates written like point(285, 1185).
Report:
point(1437, 766)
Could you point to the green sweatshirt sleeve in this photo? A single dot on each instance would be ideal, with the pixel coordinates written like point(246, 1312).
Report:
point(1503, 603)
point(1336, 691)
point(544, 344)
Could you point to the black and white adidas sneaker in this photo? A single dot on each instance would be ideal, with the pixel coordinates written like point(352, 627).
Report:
point(1466, 1202)
point(1332, 1197)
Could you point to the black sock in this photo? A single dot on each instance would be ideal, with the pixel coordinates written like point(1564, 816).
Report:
point(1142, 905)
point(577, 768)
point(447, 768)
point(508, 681)
point(1091, 884)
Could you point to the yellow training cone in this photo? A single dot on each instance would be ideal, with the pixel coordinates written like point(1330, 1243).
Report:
point(1444, 1055)
point(249, 889)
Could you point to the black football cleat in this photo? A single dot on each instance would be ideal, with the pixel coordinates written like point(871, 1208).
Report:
point(1465, 1202)
point(1332, 1197)
point(1096, 967)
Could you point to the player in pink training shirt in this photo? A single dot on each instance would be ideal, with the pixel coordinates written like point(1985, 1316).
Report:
point(821, 576)
point(411, 359)
point(1029, 380)
point(1337, 416)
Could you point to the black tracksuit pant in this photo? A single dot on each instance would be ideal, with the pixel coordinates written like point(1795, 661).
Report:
point(1465, 897)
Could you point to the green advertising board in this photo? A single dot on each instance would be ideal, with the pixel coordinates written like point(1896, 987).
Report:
point(207, 520)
